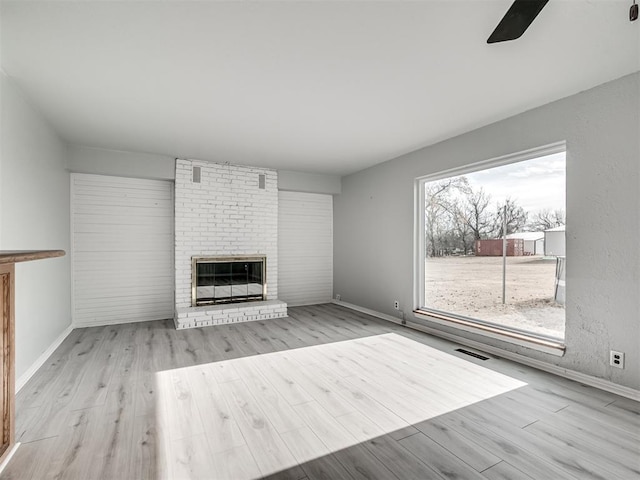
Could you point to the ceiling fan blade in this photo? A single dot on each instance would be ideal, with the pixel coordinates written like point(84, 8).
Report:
point(517, 20)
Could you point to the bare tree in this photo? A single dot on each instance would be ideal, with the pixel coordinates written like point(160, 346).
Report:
point(476, 213)
point(457, 214)
point(438, 214)
point(546, 219)
point(516, 217)
point(463, 231)
point(433, 212)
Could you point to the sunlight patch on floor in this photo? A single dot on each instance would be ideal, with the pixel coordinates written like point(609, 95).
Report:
point(254, 416)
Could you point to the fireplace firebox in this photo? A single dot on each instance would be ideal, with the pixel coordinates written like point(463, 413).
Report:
point(228, 279)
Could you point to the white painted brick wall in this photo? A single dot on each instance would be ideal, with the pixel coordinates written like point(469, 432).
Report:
point(226, 214)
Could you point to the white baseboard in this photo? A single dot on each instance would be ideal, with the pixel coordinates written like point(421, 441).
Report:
point(7, 459)
point(24, 378)
point(590, 380)
point(102, 323)
point(368, 311)
point(308, 303)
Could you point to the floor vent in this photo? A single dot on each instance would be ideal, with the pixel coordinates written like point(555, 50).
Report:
point(473, 354)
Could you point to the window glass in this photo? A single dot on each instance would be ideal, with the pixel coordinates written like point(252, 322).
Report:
point(494, 245)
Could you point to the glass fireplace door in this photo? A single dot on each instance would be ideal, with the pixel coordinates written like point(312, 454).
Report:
point(227, 280)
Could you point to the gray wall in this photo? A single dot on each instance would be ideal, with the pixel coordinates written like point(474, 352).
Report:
point(100, 161)
point(34, 215)
point(308, 182)
point(374, 217)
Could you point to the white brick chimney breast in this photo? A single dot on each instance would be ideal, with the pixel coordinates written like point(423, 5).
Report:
point(233, 210)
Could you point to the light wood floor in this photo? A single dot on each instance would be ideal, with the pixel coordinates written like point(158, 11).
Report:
point(327, 393)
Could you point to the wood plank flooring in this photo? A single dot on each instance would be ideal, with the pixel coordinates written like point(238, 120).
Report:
point(327, 393)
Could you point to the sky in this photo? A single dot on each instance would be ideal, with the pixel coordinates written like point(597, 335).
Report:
point(534, 184)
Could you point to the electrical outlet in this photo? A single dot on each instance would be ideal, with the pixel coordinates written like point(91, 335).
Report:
point(396, 305)
point(337, 296)
point(616, 359)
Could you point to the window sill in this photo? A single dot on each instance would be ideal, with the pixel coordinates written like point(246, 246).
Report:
point(546, 345)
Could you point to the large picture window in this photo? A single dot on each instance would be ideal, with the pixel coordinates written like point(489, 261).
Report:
point(493, 244)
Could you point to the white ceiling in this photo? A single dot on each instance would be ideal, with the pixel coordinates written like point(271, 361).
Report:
point(327, 87)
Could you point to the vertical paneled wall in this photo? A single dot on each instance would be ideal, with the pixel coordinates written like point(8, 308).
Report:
point(122, 249)
point(305, 247)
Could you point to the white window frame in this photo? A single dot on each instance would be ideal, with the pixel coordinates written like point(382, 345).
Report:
point(506, 334)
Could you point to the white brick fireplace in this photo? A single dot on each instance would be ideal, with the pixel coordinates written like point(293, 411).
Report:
point(225, 210)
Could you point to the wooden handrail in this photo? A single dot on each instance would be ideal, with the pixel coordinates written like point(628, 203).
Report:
point(15, 256)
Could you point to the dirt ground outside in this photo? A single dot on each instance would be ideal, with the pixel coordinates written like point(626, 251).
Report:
point(472, 286)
